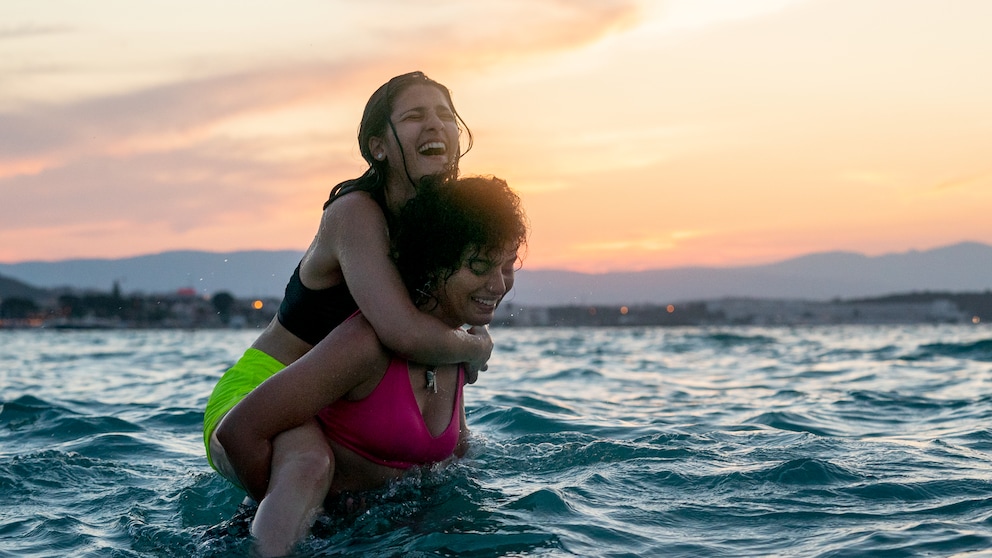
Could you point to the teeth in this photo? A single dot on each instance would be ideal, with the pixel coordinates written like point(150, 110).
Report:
point(433, 148)
point(487, 301)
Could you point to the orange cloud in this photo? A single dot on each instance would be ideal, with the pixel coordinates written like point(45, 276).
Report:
point(965, 182)
point(619, 122)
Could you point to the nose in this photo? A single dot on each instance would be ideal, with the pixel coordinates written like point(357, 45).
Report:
point(434, 121)
point(497, 283)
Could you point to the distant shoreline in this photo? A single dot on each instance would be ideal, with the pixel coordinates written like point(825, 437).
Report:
point(189, 311)
point(908, 308)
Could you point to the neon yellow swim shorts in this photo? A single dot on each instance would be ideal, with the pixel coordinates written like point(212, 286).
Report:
point(253, 368)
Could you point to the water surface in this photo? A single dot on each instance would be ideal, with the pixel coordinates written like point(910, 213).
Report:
point(820, 441)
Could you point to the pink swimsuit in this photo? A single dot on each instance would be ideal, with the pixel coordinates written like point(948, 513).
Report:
point(386, 427)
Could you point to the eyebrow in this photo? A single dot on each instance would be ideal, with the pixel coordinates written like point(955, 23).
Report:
point(500, 259)
point(424, 108)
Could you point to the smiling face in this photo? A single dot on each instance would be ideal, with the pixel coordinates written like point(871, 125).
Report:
point(470, 295)
point(426, 135)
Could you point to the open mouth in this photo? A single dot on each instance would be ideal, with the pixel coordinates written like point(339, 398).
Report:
point(492, 302)
point(433, 148)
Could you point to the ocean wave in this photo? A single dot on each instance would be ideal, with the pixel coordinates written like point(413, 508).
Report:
point(828, 441)
point(975, 350)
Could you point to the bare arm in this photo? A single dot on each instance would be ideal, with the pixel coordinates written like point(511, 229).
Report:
point(357, 227)
point(295, 395)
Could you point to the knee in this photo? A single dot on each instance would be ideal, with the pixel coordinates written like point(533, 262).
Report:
point(314, 465)
point(219, 460)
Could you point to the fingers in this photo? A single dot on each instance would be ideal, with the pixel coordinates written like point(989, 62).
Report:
point(473, 368)
point(472, 373)
point(471, 376)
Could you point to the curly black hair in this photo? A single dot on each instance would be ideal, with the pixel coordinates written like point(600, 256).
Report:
point(448, 218)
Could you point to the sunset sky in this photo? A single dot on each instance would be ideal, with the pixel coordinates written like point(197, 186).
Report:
point(640, 134)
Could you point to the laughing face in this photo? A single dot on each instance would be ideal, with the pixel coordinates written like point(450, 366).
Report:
point(426, 135)
point(471, 294)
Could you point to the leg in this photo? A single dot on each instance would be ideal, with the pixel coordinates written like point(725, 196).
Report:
point(221, 462)
point(302, 469)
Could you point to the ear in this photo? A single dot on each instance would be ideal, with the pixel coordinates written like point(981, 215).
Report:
point(376, 145)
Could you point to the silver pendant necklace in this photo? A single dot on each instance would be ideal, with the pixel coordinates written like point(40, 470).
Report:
point(431, 375)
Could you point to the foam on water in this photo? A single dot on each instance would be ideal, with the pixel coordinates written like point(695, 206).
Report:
point(829, 441)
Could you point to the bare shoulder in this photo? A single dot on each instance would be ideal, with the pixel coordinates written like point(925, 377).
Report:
point(353, 341)
point(356, 343)
point(352, 216)
point(351, 210)
point(355, 234)
point(358, 330)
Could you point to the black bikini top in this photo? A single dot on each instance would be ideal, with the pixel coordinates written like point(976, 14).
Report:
point(312, 314)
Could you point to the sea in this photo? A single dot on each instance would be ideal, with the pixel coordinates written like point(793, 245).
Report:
point(826, 441)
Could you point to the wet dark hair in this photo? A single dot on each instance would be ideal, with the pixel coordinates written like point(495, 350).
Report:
point(376, 122)
point(448, 218)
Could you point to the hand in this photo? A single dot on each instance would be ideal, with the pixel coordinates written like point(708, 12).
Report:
point(472, 368)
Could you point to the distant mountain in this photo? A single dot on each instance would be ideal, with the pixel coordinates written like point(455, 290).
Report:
point(965, 267)
point(256, 273)
point(13, 288)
